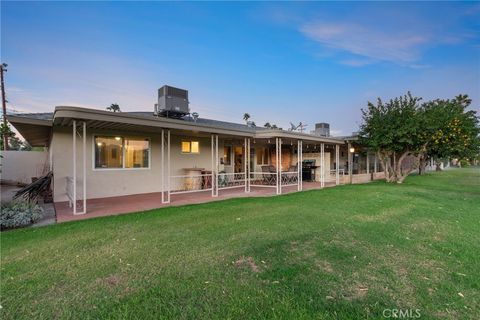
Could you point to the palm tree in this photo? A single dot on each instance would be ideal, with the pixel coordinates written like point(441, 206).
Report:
point(246, 116)
point(114, 107)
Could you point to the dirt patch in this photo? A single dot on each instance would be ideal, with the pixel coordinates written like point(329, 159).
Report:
point(359, 292)
point(248, 261)
point(111, 281)
point(324, 265)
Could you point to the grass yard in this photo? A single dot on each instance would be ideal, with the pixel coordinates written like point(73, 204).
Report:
point(340, 253)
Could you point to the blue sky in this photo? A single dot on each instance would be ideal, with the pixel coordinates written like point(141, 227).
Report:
point(281, 62)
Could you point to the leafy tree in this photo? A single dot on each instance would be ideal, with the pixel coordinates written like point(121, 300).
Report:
point(114, 107)
point(392, 129)
point(5, 131)
point(449, 130)
point(14, 143)
point(271, 126)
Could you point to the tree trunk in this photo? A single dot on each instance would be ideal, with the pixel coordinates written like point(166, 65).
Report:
point(422, 164)
point(438, 166)
point(399, 173)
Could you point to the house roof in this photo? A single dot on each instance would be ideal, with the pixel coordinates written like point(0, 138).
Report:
point(142, 121)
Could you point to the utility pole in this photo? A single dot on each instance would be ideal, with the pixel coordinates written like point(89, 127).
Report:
point(3, 68)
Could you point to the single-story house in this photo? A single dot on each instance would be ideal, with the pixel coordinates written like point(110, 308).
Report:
point(98, 155)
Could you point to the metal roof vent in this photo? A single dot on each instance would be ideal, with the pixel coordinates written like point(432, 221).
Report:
point(322, 129)
point(172, 102)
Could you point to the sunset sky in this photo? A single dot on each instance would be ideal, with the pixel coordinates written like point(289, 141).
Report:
point(281, 62)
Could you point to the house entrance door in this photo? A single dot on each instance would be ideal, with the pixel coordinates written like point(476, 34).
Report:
point(238, 158)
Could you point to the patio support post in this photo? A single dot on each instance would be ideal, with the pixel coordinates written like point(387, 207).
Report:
point(337, 166)
point(84, 167)
point(74, 144)
point(247, 173)
point(350, 163)
point(168, 168)
point(300, 165)
point(277, 153)
point(280, 165)
point(162, 167)
point(245, 160)
point(212, 140)
point(215, 172)
point(375, 164)
point(299, 181)
point(322, 169)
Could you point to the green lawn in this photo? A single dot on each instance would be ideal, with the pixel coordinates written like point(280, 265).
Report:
point(340, 253)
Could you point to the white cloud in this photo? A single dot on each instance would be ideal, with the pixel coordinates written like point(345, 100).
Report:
point(373, 44)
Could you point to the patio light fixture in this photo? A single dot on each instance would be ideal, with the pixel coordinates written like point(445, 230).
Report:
point(352, 150)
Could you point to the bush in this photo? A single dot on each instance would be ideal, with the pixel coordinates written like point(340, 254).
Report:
point(464, 163)
point(19, 214)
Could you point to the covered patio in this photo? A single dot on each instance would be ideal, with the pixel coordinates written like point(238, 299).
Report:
point(110, 163)
point(103, 207)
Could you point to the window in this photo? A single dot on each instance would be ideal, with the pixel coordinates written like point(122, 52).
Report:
point(121, 153)
point(227, 155)
point(108, 152)
point(136, 153)
point(190, 147)
point(262, 156)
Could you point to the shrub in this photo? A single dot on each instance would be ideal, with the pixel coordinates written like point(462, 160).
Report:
point(464, 163)
point(19, 214)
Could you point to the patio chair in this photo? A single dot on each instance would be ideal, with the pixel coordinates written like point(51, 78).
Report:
point(268, 178)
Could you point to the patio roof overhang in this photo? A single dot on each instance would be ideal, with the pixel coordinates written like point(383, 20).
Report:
point(307, 138)
point(37, 132)
point(99, 119)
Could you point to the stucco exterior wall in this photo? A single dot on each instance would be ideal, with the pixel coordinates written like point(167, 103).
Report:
point(21, 166)
point(117, 182)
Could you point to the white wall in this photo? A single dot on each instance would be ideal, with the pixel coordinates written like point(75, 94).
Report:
point(21, 166)
point(119, 182)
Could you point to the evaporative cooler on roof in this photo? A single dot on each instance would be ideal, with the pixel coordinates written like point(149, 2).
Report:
point(172, 102)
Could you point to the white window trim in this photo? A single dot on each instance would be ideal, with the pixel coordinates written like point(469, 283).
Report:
point(123, 152)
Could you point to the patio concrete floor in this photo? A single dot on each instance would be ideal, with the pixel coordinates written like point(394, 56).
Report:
point(141, 202)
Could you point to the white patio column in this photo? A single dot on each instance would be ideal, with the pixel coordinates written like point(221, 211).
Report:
point(245, 159)
point(165, 166)
point(162, 166)
point(247, 174)
point(217, 164)
point(375, 164)
point(168, 173)
point(300, 164)
point(74, 145)
point(214, 138)
point(84, 167)
point(322, 169)
point(350, 163)
point(277, 164)
point(299, 188)
point(337, 166)
point(280, 164)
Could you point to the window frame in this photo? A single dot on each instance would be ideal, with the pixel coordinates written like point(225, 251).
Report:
point(190, 143)
point(124, 137)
